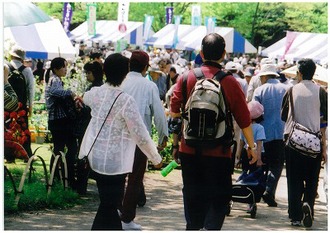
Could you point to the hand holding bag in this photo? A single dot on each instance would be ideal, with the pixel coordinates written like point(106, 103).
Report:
point(303, 139)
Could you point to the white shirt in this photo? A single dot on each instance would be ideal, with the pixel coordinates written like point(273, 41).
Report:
point(146, 95)
point(113, 151)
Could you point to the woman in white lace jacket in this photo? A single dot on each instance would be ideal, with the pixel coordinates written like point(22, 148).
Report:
point(112, 155)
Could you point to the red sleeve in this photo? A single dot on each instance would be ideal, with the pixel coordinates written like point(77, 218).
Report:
point(177, 96)
point(236, 100)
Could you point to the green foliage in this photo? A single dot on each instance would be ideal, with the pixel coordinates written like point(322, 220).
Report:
point(34, 196)
point(166, 153)
point(262, 23)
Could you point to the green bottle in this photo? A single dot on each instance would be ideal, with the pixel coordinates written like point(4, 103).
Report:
point(169, 168)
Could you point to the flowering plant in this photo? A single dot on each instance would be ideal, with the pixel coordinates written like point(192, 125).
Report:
point(15, 134)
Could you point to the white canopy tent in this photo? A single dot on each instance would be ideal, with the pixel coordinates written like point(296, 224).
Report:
point(45, 40)
point(305, 45)
point(321, 74)
point(107, 31)
point(190, 38)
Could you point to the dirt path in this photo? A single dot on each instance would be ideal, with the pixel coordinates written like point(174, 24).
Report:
point(164, 211)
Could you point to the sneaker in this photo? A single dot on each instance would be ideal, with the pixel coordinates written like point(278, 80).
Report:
point(307, 215)
point(269, 199)
point(249, 208)
point(296, 223)
point(130, 226)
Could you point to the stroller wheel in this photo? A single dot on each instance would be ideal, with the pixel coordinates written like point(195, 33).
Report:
point(254, 211)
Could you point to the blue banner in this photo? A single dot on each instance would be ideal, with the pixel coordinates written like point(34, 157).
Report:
point(196, 19)
point(67, 16)
point(147, 26)
point(169, 15)
point(177, 19)
point(210, 24)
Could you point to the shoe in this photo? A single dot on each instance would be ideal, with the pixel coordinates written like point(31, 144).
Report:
point(131, 226)
point(307, 215)
point(249, 208)
point(296, 223)
point(269, 199)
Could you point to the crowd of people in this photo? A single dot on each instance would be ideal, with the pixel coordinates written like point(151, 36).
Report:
point(110, 125)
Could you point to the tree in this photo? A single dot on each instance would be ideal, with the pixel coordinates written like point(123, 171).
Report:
point(262, 23)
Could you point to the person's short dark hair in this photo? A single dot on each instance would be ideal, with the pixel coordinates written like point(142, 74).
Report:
point(307, 68)
point(213, 46)
point(116, 67)
point(173, 69)
point(56, 63)
point(95, 54)
point(96, 69)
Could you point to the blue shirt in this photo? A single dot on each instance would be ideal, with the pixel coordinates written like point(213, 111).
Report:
point(258, 134)
point(270, 95)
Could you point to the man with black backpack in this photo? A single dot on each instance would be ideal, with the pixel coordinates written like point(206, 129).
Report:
point(204, 150)
point(22, 81)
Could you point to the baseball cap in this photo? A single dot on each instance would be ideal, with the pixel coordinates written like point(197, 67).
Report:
point(140, 56)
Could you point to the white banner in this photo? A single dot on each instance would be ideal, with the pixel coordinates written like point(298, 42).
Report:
point(123, 10)
point(91, 18)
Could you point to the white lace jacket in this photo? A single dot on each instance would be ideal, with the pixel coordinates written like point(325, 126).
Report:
point(113, 151)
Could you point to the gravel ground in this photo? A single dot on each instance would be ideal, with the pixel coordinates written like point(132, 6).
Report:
point(164, 211)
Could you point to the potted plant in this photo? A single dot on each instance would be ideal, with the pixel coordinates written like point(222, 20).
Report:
point(39, 123)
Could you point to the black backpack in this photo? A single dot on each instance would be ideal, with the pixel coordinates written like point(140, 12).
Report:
point(206, 116)
point(18, 83)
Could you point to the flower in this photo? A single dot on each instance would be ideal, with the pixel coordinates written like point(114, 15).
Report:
point(15, 134)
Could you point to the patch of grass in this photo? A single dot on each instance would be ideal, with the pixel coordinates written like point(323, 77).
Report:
point(34, 195)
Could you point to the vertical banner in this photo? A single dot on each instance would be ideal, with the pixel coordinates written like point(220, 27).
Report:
point(123, 9)
point(67, 16)
point(290, 37)
point(196, 19)
point(177, 19)
point(91, 18)
point(147, 26)
point(210, 24)
point(169, 15)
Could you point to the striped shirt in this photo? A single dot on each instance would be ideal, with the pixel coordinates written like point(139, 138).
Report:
point(10, 98)
point(54, 91)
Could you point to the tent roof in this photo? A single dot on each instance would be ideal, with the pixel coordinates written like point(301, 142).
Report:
point(321, 74)
point(190, 38)
point(107, 31)
point(305, 45)
point(42, 40)
point(22, 13)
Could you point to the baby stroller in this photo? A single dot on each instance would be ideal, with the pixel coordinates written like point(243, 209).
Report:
point(249, 189)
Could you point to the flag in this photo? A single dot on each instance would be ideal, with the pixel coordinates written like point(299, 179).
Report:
point(147, 26)
point(91, 18)
point(290, 37)
point(210, 24)
point(123, 10)
point(169, 15)
point(67, 16)
point(196, 19)
point(177, 19)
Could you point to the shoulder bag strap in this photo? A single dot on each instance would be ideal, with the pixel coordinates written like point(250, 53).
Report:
point(291, 103)
point(103, 123)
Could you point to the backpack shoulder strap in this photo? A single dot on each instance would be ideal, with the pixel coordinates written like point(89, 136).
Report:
point(221, 74)
point(21, 68)
point(198, 73)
